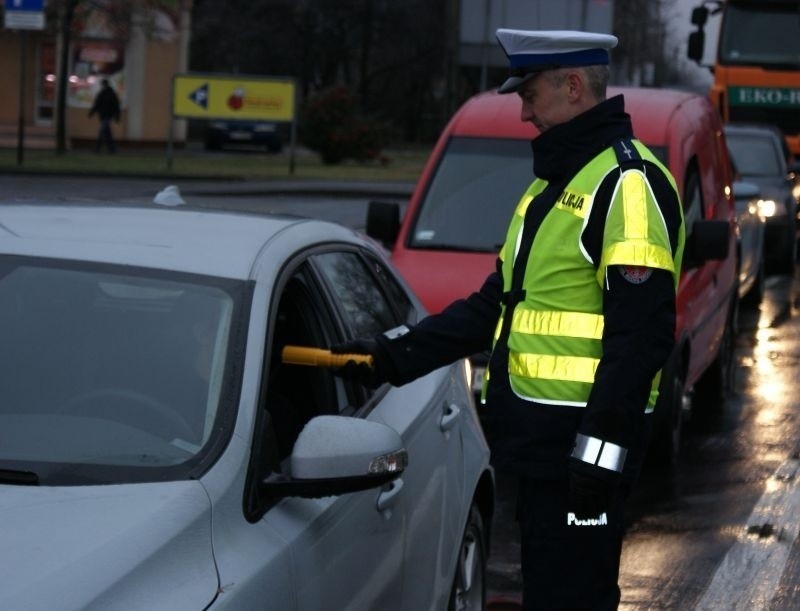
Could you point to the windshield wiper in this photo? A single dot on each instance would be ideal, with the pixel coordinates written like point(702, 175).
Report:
point(18, 478)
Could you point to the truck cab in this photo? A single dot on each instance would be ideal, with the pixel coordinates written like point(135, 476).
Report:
point(757, 61)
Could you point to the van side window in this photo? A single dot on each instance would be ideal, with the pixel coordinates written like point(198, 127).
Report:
point(692, 201)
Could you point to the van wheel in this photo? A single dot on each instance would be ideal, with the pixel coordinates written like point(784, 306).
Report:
point(719, 380)
point(469, 584)
point(666, 441)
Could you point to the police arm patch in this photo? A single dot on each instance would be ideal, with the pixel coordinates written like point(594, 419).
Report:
point(635, 274)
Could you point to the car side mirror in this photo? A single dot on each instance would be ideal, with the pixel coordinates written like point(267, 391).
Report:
point(697, 43)
point(383, 222)
point(708, 240)
point(335, 455)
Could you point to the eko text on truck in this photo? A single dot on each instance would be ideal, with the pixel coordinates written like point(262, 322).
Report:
point(757, 64)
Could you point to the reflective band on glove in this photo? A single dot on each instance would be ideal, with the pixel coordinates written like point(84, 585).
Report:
point(396, 332)
point(599, 453)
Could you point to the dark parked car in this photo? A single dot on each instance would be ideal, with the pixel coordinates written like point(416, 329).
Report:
point(259, 133)
point(759, 157)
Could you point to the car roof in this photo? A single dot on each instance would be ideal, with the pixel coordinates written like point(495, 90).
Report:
point(195, 240)
point(494, 115)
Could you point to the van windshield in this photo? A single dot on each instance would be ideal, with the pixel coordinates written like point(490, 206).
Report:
point(472, 194)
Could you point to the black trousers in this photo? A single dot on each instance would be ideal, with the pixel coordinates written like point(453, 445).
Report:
point(567, 563)
point(104, 136)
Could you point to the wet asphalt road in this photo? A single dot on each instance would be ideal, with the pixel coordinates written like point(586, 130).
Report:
point(721, 532)
point(691, 531)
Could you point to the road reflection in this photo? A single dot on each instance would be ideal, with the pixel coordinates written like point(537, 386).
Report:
point(683, 522)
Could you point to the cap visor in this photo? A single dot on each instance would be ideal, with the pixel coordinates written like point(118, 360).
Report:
point(512, 83)
point(515, 82)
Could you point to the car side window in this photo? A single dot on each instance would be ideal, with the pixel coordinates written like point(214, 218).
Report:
point(366, 308)
point(297, 393)
point(369, 300)
point(396, 294)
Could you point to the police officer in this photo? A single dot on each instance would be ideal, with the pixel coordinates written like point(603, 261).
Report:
point(579, 314)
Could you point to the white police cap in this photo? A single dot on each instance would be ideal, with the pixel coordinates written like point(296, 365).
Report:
point(531, 51)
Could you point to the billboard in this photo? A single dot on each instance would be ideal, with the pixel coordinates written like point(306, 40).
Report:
point(198, 96)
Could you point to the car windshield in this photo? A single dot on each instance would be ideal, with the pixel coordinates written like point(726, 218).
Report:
point(755, 155)
point(761, 33)
point(477, 184)
point(112, 374)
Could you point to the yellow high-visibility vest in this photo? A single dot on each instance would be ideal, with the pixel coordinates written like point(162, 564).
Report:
point(555, 334)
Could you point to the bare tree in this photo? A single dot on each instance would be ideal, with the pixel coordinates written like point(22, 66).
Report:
point(389, 53)
point(643, 57)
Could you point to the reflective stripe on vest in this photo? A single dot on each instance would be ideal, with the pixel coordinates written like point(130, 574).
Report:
point(569, 324)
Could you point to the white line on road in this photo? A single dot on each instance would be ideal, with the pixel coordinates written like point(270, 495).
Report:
point(751, 570)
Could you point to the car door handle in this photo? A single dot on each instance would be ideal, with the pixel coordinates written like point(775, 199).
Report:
point(450, 416)
point(389, 494)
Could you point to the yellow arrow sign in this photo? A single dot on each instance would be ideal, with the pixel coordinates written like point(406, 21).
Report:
point(232, 97)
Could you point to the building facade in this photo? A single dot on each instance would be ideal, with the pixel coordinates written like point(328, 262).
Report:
point(137, 46)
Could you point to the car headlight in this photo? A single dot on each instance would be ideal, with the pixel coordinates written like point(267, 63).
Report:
point(770, 207)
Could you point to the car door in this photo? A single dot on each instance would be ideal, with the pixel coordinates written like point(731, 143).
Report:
point(346, 551)
point(427, 413)
point(751, 235)
point(701, 286)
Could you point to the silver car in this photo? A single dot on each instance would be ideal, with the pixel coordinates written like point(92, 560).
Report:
point(156, 452)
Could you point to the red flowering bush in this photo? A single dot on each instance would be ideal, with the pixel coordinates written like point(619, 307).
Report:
point(332, 126)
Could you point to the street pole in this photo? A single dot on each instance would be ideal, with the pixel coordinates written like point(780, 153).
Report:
point(23, 66)
point(485, 46)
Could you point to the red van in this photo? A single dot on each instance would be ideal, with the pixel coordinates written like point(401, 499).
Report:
point(455, 223)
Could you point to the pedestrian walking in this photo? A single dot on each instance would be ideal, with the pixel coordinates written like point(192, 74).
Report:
point(106, 106)
point(579, 316)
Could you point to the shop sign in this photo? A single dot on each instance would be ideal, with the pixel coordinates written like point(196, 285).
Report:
point(24, 14)
point(233, 97)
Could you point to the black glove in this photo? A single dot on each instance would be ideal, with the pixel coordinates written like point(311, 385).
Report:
point(371, 377)
point(589, 496)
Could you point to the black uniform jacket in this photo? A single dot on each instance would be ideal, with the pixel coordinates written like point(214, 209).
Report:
point(533, 439)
